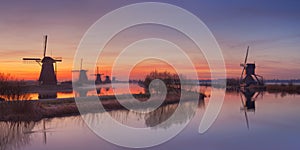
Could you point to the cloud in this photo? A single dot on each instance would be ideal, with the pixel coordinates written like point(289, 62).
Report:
point(265, 41)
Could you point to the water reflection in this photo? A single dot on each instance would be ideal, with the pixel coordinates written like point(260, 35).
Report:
point(17, 135)
point(47, 94)
point(248, 98)
point(101, 90)
point(13, 134)
point(157, 117)
point(71, 131)
point(81, 92)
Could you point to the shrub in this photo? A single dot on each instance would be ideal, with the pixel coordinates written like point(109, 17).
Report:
point(12, 89)
point(171, 81)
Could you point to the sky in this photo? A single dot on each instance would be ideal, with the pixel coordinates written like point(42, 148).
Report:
point(271, 28)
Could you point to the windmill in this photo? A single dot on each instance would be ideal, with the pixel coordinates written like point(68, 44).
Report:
point(82, 74)
point(107, 79)
point(249, 77)
point(48, 74)
point(98, 77)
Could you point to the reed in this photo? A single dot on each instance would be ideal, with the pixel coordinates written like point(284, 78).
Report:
point(20, 111)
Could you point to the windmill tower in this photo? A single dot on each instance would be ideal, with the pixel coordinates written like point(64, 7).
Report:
point(82, 74)
point(250, 77)
point(48, 72)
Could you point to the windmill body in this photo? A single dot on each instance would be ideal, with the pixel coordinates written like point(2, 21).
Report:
point(107, 79)
point(248, 76)
point(98, 77)
point(48, 71)
point(82, 74)
point(48, 75)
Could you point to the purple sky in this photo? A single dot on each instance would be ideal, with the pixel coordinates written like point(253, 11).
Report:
point(271, 28)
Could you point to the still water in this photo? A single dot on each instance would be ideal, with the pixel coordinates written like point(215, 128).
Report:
point(270, 122)
point(101, 90)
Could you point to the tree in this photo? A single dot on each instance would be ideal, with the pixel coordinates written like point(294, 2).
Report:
point(171, 81)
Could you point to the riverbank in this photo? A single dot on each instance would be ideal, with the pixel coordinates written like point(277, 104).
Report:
point(283, 88)
point(271, 88)
point(39, 109)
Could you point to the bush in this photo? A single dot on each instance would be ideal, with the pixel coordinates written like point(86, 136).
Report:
point(171, 81)
point(12, 89)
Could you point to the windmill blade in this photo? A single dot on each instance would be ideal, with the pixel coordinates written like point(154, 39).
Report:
point(245, 63)
point(55, 69)
point(242, 74)
point(257, 94)
point(246, 56)
point(81, 63)
point(245, 112)
point(57, 59)
point(35, 59)
point(45, 45)
point(38, 131)
point(32, 60)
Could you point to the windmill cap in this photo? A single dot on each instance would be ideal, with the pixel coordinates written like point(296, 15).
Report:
point(48, 59)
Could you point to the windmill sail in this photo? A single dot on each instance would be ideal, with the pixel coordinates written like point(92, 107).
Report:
point(245, 63)
point(45, 45)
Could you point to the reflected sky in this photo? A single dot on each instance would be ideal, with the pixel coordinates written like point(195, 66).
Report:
point(101, 90)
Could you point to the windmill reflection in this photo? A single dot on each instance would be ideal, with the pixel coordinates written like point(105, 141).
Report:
point(84, 92)
point(81, 92)
point(248, 98)
point(98, 90)
point(47, 94)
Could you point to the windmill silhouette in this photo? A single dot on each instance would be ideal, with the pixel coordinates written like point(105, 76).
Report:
point(48, 74)
point(250, 77)
point(98, 77)
point(82, 74)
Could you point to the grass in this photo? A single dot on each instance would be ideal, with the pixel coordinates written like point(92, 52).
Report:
point(37, 110)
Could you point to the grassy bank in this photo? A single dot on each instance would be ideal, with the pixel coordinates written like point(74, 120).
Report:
point(282, 88)
point(37, 110)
